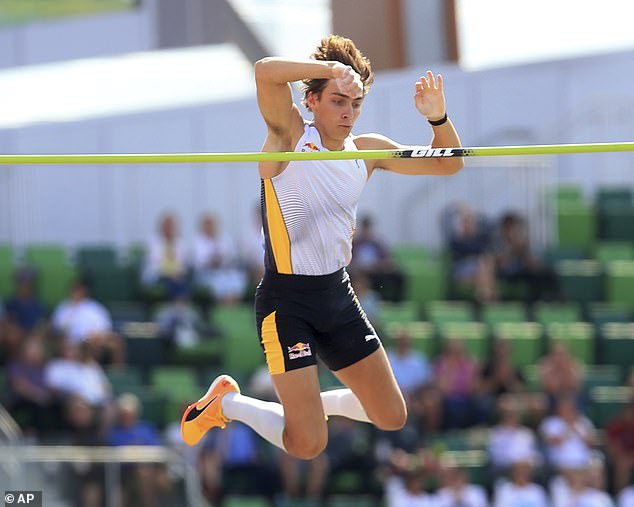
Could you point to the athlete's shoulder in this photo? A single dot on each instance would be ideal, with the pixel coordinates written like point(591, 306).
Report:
point(374, 141)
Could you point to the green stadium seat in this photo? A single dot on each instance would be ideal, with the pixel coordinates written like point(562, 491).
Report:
point(617, 344)
point(555, 254)
point(567, 194)
point(286, 501)
point(421, 334)
point(577, 336)
point(618, 251)
point(124, 379)
point(175, 382)
point(525, 340)
point(503, 312)
point(602, 313)
point(54, 273)
point(204, 353)
point(351, 501)
point(7, 271)
point(474, 336)
point(601, 375)
point(91, 257)
point(245, 501)
point(54, 282)
point(405, 311)
point(614, 196)
point(616, 223)
point(144, 347)
point(242, 352)
point(113, 283)
point(45, 255)
point(410, 257)
point(127, 311)
point(607, 402)
point(439, 312)
point(550, 313)
point(580, 281)
point(427, 282)
point(576, 226)
point(620, 282)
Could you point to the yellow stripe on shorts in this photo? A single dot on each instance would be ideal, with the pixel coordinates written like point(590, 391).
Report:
point(272, 345)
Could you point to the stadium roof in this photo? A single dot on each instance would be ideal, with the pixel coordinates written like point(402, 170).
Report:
point(124, 84)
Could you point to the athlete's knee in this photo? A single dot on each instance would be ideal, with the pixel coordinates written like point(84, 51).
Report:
point(305, 444)
point(391, 418)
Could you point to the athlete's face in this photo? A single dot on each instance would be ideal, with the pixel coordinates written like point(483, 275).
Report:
point(335, 113)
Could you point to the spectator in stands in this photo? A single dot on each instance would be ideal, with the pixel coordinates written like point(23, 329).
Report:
point(568, 436)
point(469, 244)
point(510, 442)
point(456, 491)
point(293, 472)
point(456, 375)
point(82, 319)
point(350, 450)
point(181, 323)
point(30, 400)
point(426, 409)
point(626, 497)
point(75, 372)
point(86, 488)
point(24, 309)
point(143, 483)
point(499, 375)
point(560, 374)
point(411, 368)
point(3, 333)
point(252, 247)
point(216, 265)
point(620, 446)
point(231, 462)
point(372, 257)
point(581, 486)
point(407, 490)
point(515, 262)
point(520, 491)
point(165, 260)
point(369, 299)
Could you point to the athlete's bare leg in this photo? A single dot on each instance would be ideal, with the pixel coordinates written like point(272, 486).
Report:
point(373, 382)
point(305, 430)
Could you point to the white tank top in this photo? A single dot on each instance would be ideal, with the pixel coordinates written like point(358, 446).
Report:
point(309, 211)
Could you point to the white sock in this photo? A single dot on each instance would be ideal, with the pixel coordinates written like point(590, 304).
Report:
point(345, 403)
point(266, 418)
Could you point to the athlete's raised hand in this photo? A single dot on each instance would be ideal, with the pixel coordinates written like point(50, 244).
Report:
point(348, 81)
point(430, 97)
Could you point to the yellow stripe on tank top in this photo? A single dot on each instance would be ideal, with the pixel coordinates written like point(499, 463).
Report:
point(272, 345)
point(278, 235)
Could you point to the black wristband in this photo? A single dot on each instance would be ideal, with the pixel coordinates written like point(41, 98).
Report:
point(438, 123)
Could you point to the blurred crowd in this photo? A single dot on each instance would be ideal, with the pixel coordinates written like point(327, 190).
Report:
point(541, 447)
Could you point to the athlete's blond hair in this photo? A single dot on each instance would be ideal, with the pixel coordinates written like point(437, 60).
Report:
point(335, 48)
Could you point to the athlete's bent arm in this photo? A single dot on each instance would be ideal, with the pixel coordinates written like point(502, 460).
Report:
point(430, 102)
point(282, 116)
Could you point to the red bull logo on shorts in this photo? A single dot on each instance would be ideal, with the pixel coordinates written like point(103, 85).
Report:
point(299, 350)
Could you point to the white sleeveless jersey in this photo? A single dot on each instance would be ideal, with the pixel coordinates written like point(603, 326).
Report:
point(309, 211)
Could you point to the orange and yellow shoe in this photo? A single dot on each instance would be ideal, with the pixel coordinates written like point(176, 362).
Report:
point(206, 413)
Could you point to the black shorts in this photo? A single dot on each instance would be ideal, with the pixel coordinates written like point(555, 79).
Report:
point(301, 317)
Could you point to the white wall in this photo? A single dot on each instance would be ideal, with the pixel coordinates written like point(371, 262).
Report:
point(79, 37)
point(585, 100)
